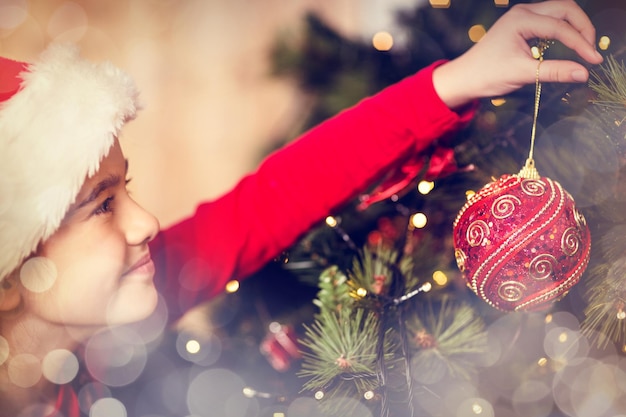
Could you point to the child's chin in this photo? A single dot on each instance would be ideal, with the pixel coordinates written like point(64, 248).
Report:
point(133, 309)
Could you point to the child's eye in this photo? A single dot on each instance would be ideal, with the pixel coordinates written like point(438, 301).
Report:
point(105, 207)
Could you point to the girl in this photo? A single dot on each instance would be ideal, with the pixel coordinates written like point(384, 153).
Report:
point(78, 255)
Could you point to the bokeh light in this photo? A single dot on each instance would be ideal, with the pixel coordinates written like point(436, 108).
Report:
point(419, 220)
point(476, 33)
point(382, 41)
point(60, 366)
point(604, 42)
point(425, 187)
point(108, 407)
point(38, 274)
point(12, 13)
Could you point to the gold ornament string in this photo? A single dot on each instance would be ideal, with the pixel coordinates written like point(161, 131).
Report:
point(529, 171)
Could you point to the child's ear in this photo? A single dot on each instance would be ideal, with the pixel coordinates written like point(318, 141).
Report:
point(10, 294)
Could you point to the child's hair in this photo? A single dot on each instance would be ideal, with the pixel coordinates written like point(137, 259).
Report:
point(59, 116)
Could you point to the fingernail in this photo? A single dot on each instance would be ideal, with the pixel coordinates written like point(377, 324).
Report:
point(579, 75)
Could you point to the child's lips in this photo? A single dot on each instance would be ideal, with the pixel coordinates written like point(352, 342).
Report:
point(143, 266)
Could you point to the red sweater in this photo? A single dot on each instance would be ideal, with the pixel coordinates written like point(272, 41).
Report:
point(387, 135)
point(299, 185)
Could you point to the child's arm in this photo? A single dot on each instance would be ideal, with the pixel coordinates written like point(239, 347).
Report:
point(299, 185)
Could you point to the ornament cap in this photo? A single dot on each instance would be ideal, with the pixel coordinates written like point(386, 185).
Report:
point(529, 171)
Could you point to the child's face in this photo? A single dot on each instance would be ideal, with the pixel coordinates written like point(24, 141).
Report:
point(103, 268)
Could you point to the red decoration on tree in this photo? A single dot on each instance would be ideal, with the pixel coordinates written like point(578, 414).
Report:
point(520, 242)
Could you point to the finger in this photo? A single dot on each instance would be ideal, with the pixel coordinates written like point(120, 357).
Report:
point(562, 72)
point(568, 11)
point(546, 27)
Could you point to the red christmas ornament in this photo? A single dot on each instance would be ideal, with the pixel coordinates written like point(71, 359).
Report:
point(520, 242)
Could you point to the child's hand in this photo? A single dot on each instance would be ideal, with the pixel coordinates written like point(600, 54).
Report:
point(502, 61)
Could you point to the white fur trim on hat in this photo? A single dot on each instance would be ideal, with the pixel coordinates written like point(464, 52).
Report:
point(54, 131)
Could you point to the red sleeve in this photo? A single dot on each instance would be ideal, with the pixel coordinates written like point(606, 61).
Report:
point(297, 186)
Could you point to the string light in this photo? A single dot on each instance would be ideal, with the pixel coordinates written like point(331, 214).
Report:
point(192, 346)
point(476, 33)
point(382, 41)
point(542, 362)
point(440, 278)
point(232, 286)
point(501, 3)
point(497, 102)
point(419, 220)
point(424, 187)
point(440, 4)
point(319, 395)
point(331, 221)
point(604, 43)
point(469, 194)
point(368, 395)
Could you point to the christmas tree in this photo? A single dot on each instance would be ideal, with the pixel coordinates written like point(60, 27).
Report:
point(372, 315)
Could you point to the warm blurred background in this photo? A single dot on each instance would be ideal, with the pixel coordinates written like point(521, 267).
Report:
point(213, 107)
point(226, 82)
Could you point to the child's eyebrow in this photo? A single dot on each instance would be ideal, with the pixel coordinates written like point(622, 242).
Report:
point(109, 182)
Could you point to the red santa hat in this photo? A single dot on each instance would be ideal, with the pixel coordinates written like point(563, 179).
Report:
point(59, 116)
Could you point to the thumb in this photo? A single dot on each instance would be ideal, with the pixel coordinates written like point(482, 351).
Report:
point(559, 71)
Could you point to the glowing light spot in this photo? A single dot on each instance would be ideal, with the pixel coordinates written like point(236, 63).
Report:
point(497, 102)
point(24, 370)
point(621, 315)
point(331, 221)
point(469, 194)
point(424, 187)
point(419, 220)
point(192, 346)
point(4, 350)
point(13, 13)
point(319, 395)
point(275, 327)
point(604, 43)
point(477, 408)
point(501, 3)
point(361, 292)
point(108, 407)
point(536, 52)
point(60, 366)
point(382, 41)
point(279, 415)
point(542, 362)
point(476, 33)
point(38, 274)
point(368, 395)
point(440, 278)
point(563, 337)
point(548, 318)
point(427, 287)
point(440, 4)
point(68, 23)
point(232, 286)
point(249, 392)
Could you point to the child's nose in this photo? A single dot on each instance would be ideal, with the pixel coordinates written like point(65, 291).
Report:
point(140, 226)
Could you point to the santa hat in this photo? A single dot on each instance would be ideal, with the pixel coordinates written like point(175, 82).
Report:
point(59, 117)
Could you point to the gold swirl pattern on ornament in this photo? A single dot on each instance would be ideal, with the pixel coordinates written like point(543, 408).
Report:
point(476, 233)
point(570, 241)
point(460, 257)
point(511, 291)
point(497, 254)
point(504, 206)
point(542, 267)
point(484, 192)
point(564, 286)
point(534, 188)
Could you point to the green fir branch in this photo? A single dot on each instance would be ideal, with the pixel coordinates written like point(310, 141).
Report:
point(609, 83)
point(453, 334)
